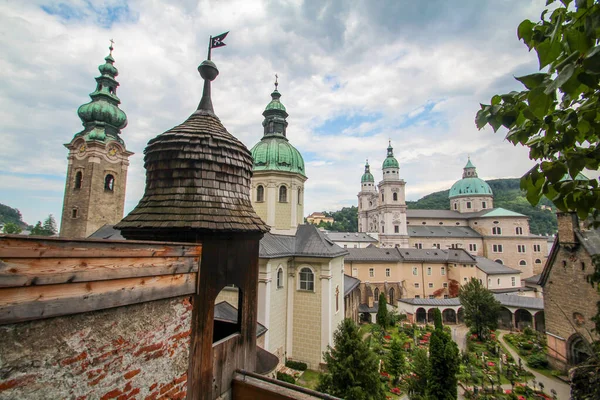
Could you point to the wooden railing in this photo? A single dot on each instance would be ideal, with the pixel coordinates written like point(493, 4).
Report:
point(48, 277)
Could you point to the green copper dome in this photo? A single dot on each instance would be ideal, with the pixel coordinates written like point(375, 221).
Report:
point(367, 176)
point(274, 152)
point(390, 161)
point(102, 118)
point(470, 184)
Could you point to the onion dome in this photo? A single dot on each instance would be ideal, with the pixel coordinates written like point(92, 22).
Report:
point(274, 152)
point(102, 118)
point(367, 176)
point(470, 184)
point(390, 161)
point(197, 180)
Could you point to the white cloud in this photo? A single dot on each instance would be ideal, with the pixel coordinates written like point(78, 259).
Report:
point(386, 61)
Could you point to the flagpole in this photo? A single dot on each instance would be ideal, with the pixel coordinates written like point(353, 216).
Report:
point(209, 46)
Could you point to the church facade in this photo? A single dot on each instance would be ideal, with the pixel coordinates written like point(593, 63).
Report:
point(472, 223)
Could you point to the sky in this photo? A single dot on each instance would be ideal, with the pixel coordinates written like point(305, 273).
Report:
point(352, 74)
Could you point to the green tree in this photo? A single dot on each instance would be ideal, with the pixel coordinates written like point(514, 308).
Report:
point(38, 229)
point(557, 115)
point(443, 362)
point(11, 228)
point(395, 363)
point(50, 226)
point(382, 312)
point(480, 306)
point(417, 384)
point(352, 368)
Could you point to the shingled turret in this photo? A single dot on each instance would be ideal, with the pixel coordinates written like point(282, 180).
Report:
point(197, 180)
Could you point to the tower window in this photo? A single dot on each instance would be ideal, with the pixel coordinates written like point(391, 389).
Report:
point(382, 197)
point(468, 204)
point(299, 196)
point(282, 194)
point(396, 229)
point(483, 204)
point(260, 193)
point(455, 206)
point(279, 278)
point(395, 196)
point(74, 213)
point(78, 179)
point(496, 230)
point(307, 279)
point(109, 183)
point(519, 230)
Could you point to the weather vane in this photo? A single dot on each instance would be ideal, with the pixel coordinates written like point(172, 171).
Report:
point(112, 42)
point(216, 41)
point(276, 81)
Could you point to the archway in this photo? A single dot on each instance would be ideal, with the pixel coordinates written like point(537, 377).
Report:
point(505, 318)
point(540, 322)
point(392, 297)
point(430, 315)
point(523, 319)
point(461, 316)
point(421, 315)
point(578, 349)
point(449, 316)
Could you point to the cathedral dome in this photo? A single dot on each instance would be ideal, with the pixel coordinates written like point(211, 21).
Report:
point(390, 161)
point(470, 184)
point(102, 111)
point(275, 153)
point(367, 176)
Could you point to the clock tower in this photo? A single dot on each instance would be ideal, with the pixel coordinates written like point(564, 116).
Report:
point(98, 161)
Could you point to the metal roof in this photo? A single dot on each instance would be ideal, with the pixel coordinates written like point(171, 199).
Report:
point(458, 256)
point(349, 284)
point(442, 231)
point(373, 254)
point(432, 302)
point(228, 313)
point(308, 242)
point(534, 280)
point(507, 300)
point(590, 240)
point(493, 268)
point(350, 237)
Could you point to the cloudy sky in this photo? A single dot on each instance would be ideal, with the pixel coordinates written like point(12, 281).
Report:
point(353, 74)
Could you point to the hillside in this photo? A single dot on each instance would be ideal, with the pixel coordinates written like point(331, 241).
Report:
point(11, 215)
point(507, 194)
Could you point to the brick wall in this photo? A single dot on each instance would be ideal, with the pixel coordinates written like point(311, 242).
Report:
point(138, 351)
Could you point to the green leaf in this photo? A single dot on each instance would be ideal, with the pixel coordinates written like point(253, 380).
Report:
point(565, 2)
point(533, 80)
point(592, 61)
point(590, 81)
point(581, 4)
point(577, 41)
point(554, 170)
point(525, 32)
point(564, 75)
point(481, 119)
point(547, 52)
point(539, 102)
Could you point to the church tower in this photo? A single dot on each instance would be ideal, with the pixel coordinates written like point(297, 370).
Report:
point(367, 199)
point(471, 193)
point(392, 204)
point(97, 161)
point(278, 172)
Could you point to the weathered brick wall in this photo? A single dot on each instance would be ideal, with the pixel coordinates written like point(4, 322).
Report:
point(138, 351)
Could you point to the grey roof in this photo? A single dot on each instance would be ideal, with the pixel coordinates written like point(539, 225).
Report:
point(507, 300)
point(493, 268)
point(450, 214)
point(459, 256)
point(515, 289)
point(308, 242)
point(441, 231)
point(510, 300)
point(372, 254)
point(590, 240)
point(534, 280)
point(228, 313)
point(349, 284)
point(454, 301)
point(107, 232)
point(350, 237)
point(365, 307)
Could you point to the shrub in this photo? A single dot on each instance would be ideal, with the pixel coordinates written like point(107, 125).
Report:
point(526, 346)
point(528, 331)
point(297, 365)
point(537, 360)
point(282, 376)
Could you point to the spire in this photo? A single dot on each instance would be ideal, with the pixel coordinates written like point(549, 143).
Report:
point(367, 176)
point(275, 114)
point(390, 161)
point(469, 171)
point(390, 149)
point(102, 118)
point(208, 71)
point(367, 167)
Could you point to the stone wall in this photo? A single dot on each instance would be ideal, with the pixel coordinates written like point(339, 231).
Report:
point(136, 351)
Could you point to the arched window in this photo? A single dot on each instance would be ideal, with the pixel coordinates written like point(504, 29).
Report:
point(109, 183)
point(307, 279)
point(337, 298)
point(538, 261)
point(392, 296)
point(299, 196)
point(499, 261)
point(78, 179)
point(279, 278)
point(260, 193)
point(395, 196)
point(496, 230)
point(282, 194)
point(522, 263)
point(376, 294)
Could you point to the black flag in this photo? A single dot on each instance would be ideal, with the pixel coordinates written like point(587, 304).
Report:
point(217, 41)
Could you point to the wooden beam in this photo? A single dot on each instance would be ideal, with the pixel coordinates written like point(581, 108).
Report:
point(35, 302)
point(16, 272)
point(24, 247)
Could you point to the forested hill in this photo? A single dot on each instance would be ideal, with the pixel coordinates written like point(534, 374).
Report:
point(11, 215)
point(507, 194)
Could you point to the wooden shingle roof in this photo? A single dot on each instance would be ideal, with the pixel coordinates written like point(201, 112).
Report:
point(197, 180)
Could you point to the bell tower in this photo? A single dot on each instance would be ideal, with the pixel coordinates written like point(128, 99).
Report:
point(97, 160)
